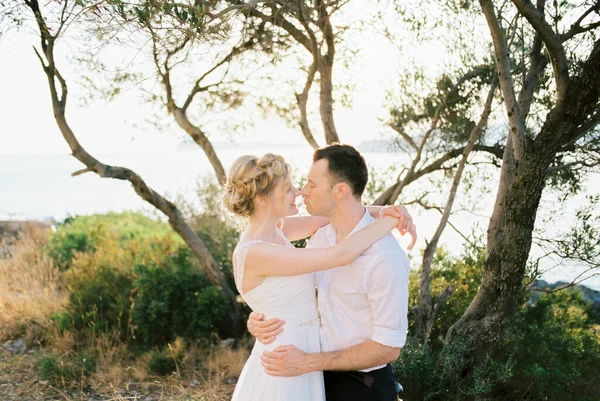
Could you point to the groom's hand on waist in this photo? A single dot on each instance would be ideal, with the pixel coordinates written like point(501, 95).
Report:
point(265, 331)
point(285, 360)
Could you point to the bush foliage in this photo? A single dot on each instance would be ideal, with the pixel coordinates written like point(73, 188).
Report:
point(81, 234)
point(173, 300)
point(141, 283)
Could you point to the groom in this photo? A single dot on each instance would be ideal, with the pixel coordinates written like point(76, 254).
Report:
point(363, 305)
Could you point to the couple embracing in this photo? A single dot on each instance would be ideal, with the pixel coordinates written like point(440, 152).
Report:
point(331, 317)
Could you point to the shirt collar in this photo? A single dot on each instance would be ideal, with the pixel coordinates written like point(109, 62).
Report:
point(364, 221)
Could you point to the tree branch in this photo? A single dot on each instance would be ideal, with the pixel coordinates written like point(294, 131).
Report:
point(326, 73)
point(197, 88)
point(576, 28)
point(408, 178)
point(175, 50)
point(241, 7)
point(278, 20)
point(592, 123)
point(537, 62)
point(517, 126)
point(553, 43)
point(418, 155)
point(82, 171)
point(576, 281)
point(565, 125)
point(179, 113)
point(399, 129)
point(436, 165)
point(302, 100)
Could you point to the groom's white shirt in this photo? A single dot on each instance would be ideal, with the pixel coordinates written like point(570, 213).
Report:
point(367, 299)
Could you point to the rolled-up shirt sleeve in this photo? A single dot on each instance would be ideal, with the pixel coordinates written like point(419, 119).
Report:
point(386, 286)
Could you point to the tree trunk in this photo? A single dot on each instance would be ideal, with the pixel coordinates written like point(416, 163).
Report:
point(325, 73)
point(302, 100)
point(493, 308)
point(326, 100)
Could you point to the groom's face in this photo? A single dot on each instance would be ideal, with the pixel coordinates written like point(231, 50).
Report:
point(318, 193)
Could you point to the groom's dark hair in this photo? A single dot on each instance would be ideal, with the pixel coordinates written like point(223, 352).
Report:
point(345, 164)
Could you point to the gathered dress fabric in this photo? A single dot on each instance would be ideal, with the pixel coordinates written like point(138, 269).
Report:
point(292, 299)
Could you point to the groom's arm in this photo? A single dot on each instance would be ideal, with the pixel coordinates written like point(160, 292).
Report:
point(361, 356)
point(288, 360)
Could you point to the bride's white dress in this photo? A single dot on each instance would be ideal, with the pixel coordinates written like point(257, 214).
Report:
point(292, 299)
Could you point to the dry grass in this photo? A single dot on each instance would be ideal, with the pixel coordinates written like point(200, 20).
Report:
point(30, 289)
point(202, 374)
point(212, 380)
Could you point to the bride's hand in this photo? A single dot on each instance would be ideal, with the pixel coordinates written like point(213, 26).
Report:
point(405, 221)
point(265, 331)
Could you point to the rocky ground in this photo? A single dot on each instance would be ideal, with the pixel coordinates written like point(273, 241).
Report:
point(19, 379)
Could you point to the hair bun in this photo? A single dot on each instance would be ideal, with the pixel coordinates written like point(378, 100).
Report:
point(250, 176)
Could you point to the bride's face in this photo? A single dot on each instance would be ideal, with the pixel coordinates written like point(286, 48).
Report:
point(283, 199)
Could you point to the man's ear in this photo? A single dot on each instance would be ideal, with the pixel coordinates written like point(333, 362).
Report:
point(342, 190)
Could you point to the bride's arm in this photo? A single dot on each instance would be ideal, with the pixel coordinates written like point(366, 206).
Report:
point(405, 222)
point(299, 227)
point(265, 259)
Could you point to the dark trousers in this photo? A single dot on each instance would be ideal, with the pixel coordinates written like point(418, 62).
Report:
point(377, 385)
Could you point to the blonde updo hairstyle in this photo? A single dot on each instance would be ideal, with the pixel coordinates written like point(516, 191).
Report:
point(249, 177)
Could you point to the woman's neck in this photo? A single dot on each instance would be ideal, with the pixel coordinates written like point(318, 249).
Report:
point(263, 228)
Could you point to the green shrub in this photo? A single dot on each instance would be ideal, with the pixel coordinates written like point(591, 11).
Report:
point(65, 243)
point(64, 370)
point(464, 273)
point(174, 299)
point(81, 233)
point(556, 346)
point(101, 302)
point(165, 361)
point(551, 353)
point(153, 303)
point(100, 285)
point(151, 289)
point(427, 374)
point(135, 277)
point(415, 369)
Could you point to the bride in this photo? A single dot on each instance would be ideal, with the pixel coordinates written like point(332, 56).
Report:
point(276, 278)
